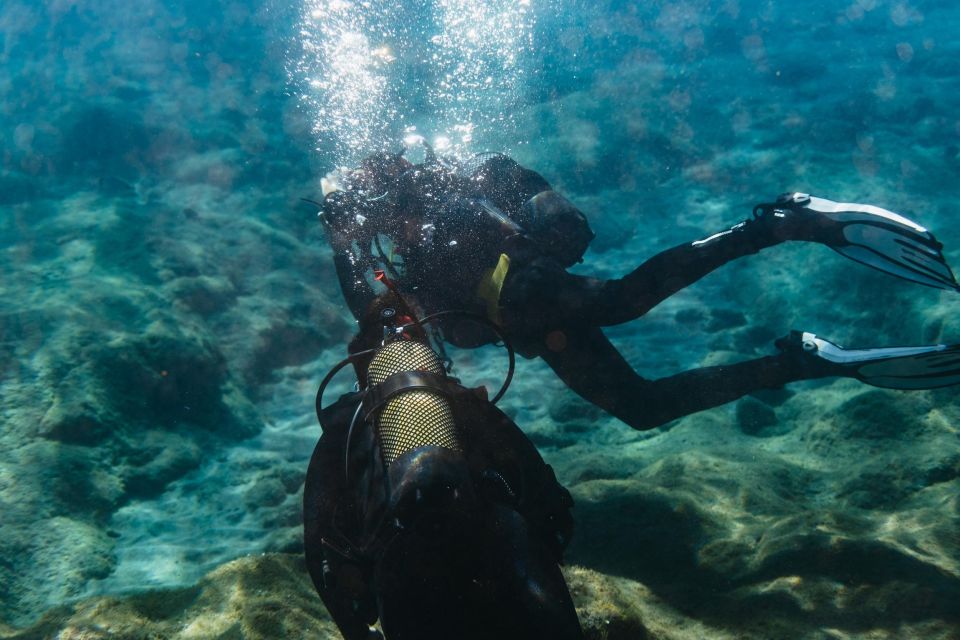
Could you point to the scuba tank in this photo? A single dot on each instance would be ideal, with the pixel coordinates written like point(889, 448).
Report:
point(427, 510)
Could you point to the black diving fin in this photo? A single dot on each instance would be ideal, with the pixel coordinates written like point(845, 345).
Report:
point(873, 236)
point(927, 367)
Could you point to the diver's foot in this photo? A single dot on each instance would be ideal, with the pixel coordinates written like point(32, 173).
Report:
point(864, 233)
point(790, 218)
point(802, 354)
point(927, 367)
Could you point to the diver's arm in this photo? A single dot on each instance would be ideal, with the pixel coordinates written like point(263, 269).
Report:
point(353, 283)
point(348, 238)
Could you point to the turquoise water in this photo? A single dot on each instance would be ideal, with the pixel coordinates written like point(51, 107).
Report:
point(169, 304)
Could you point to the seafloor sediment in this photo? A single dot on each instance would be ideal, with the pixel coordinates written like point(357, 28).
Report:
point(167, 308)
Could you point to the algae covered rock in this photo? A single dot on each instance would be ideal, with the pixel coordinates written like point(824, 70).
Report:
point(257, 597)
point(167, 375)
point(270, 596)
point(755, 545)
point(51, 559)
point(205, 295)
point(754, 417)
point(605, 606)
point(113, 381)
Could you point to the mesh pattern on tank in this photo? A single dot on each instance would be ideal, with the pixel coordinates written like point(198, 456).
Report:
point(402, 355)
point(415, 419)
point(411, 419)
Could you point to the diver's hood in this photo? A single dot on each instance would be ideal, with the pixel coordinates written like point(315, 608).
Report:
point(557, 226)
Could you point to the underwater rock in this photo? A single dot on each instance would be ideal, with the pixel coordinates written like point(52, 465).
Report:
point(571, 414)
point(605, 605)
point(102, 140)
point(115, 187)
point(286, 540)
point(74, 421)
point(877, 414)
point(256, 597)
point(274, 485)
point(773, 397)
point(614, 516)
point(54, 499)
point(286, 343)
point(44, 478)
point(754, 416)
point(723, 319)
point(271, 596)
point(123, 383)
point(690, 316)
point(204, 295)
point(265, 492)
point(112, 399)
point(889, 483)
point(856, 580)
point(881, 488)
point(50, 561)
point(873, 418)
point(16, 188)
point(758, 547)
point(166, 375)
point(157, 458)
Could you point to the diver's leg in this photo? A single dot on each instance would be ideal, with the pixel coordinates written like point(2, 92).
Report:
point(677, 268)
point(591, 366)
point(869, 235)
point(674, 269)
point(543, 289)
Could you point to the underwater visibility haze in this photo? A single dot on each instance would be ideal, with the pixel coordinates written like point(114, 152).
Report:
point(169, 302)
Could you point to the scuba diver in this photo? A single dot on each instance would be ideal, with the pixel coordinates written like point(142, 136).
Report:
point(427, 508)
point(490, 236)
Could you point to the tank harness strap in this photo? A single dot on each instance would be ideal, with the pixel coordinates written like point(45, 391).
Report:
point(378, 395)
point(490, 286)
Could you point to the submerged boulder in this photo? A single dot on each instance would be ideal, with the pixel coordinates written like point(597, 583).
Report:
point(271, 596)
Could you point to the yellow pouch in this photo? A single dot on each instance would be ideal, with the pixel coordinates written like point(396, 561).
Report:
point(490, 286)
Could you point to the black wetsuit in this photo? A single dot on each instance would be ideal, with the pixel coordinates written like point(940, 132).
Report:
point(545, 310)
